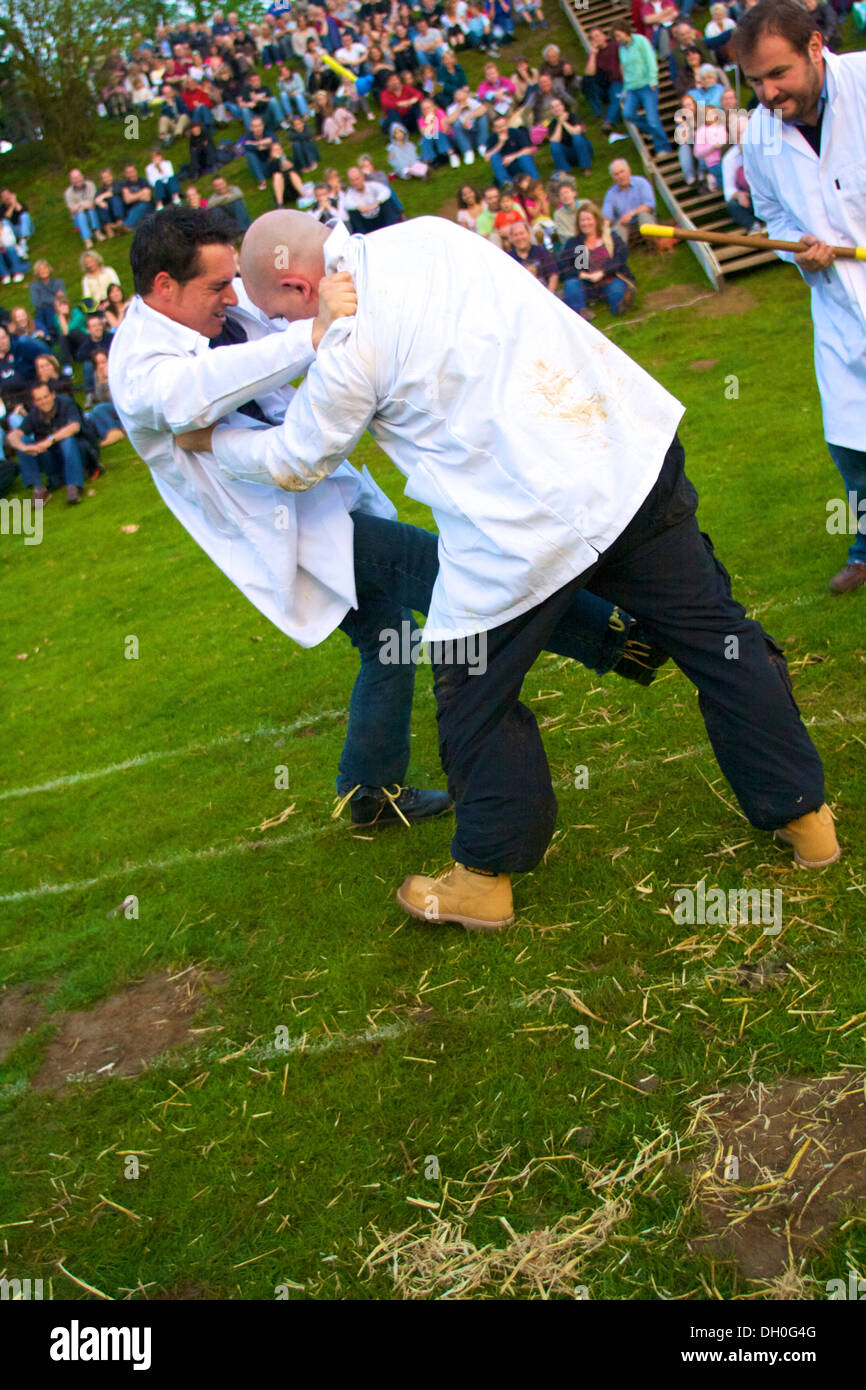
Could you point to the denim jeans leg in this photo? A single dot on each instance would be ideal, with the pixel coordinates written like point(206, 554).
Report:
point(583, 151)
point(559, 155)
point(500, 169)
point(81, 222)
point(852, 466)
point(574, 294)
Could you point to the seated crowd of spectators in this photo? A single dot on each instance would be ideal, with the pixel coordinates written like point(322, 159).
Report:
point(408, 76)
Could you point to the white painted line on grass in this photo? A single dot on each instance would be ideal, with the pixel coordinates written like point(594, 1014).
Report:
point(161, 754)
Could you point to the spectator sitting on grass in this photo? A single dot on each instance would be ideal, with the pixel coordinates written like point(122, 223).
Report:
point(337, 193)
point(13, 211)
point(324, 209)
point(162, 178)
point(202, 154)
point(47, 440)
point(290, 90)
point(257, 147)
point(451, 76)
point(559, 70)
point(12, 267)
point(47, 368)
point(568, 206)
point(527, 252)
point(96, 278)
point(511, 152)
point(500, 92)
point(79, 198)
point(115, 308)
point(436, 145)
point(279, 170)
point(22, 351)
point(508, 212)
point(109, 203)
point(103, 417)
point(332, 122)
point(228, 196)
point(403, 155)
point(70, 329)
point(23, 325)
point(532, 196)
point(525, 79)
point(194, 199)
point(569, 145)
point(467, 119)
point(42, 291)
point(471, 207)
point(399, 102)
point(631, 199)
point(305, 155)
point(597, 261)
point(173, 116)
point(367, 203)
point(98, 336)
point(137, 196)
point(686, 40)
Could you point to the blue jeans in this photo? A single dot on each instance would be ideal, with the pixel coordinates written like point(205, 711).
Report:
point(273, 118)
point(238, 210)
point(87, 223)
point(648, 98)
point(204, 116)
point(476, 135)
point(25, 227)
point(114, 210)
point(301, 106)
point(566, 154)
point(61, 463)
point(431, 146)
point(164, 189)
point(852, 465)
point(104, 417)
point(304, 154)
point(135, 212)
point(396, 566)
point(574, 292)
point(502, 172)
point(10, 262)
point(255, 165)
point(614, 105)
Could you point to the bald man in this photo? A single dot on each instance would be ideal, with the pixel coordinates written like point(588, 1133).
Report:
point(548, 458)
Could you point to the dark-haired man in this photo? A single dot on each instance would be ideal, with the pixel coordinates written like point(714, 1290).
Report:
point(810, 186)
point(291, 555)
point(48, 434)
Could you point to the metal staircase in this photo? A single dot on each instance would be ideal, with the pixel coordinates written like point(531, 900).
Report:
point(690, 207)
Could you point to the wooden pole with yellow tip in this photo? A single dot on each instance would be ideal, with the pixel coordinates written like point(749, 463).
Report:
point(744, 239)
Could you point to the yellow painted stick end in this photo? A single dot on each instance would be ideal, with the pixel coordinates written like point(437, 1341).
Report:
point(649, 229)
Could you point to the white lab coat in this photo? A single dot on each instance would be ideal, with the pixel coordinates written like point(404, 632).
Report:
point(532, 438)
point(290, 555)
point(794, 192)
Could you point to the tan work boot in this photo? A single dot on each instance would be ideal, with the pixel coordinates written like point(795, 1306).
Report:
point(813, 838)
point(477, 901)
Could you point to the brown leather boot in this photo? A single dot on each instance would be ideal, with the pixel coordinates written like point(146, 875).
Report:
point(848, 579)
point(813, 837)
point(477, 901)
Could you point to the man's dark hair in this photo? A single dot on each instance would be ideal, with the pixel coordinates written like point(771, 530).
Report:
point(621, 26)
point(169, 240)
point(786, 18)
point(40, 386)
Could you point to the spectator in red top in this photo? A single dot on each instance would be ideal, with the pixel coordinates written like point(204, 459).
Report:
point(499, 91)
point(637, 23)
point(197, 102)
point(400, 102)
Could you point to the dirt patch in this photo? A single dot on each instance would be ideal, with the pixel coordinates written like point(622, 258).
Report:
point(799, 1167)
point(121, 1035)
point(448, 210)
point(703, 364)
point(20, 1013)
point(671, 296)
point(736, 299)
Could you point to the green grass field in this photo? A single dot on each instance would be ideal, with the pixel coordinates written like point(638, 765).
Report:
point(303, 1169)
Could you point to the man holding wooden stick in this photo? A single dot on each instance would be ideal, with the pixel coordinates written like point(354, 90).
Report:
point(813, 190)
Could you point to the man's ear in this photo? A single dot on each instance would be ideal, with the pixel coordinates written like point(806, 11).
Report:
point(298, 285)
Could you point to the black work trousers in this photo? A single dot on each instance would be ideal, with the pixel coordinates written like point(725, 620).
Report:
point(663, 570)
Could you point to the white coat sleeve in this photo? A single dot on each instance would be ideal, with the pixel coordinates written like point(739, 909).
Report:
point(769, 210)
point(191, 392)
point(323, 423)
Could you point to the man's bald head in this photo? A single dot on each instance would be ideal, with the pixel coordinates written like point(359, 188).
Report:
point(282, 262)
